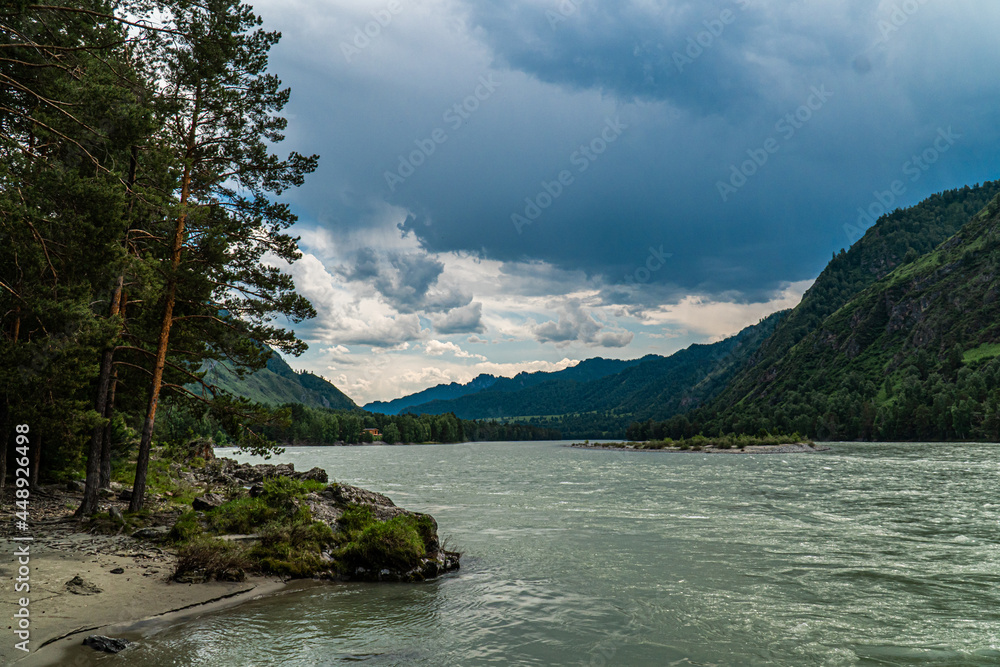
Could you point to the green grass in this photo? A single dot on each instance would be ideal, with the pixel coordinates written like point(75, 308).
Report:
point(396, 543)
point(984, 351)
point(160, 479)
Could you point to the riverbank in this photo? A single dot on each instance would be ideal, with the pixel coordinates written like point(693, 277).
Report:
point(794, 448)
point(115, 572)
point(83, 583)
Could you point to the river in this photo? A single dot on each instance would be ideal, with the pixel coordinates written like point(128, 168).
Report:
point(869, 554)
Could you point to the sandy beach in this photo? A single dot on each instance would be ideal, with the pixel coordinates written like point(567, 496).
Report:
point(124, 584)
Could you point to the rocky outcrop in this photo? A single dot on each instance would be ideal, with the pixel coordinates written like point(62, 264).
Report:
point(328, 506)
point(230, 473)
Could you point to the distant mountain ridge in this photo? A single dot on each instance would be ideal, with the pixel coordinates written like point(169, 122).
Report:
point(424, 401)
point(441, 392)
point(598, 397)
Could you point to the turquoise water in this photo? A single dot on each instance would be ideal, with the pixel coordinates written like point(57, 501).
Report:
point(864, 555)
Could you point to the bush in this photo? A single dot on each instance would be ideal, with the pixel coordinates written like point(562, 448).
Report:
point(214, 558)
point(396, 543)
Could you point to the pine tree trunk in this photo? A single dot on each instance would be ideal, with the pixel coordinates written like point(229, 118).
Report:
point(145, 444)
point(4, 440)
point(106, 436)
point(109, 411)
point(89, 504)
point(142, 463)
point(109, 407)
point(36, 462)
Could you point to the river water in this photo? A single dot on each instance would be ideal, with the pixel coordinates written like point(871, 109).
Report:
point(864, 555)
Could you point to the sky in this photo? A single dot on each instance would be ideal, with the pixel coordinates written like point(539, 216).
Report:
point(519, 185)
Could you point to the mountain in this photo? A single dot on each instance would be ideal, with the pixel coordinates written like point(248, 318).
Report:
point(896, 238)
point(441, 392)
point(591, 400)
point(277, 384)
point(891, 343)
point(590, 369)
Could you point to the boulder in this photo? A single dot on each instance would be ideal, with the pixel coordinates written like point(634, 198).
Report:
point(125, 495)
point(105, 494)
point(322, 509)
point(76, 486)
point(106, 644)
point(313, 474)
point(116, 514)
point(381, 506)
point(207, 502)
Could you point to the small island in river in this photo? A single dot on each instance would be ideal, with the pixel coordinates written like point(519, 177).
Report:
point(726, 444)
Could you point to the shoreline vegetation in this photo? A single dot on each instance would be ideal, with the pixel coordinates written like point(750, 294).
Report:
point(727, 444)
point(214, 533)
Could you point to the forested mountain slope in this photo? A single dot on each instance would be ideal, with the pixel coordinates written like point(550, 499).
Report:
point(914, 356)
point(277, 384)
point(590, 369)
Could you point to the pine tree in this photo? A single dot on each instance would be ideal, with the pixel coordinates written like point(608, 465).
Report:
point(226, 241)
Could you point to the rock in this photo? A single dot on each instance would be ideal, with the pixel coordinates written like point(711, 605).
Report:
point(381, 506)
point(118, 570)
point(79, 586)
point(256, 490)
point(323, 510)
point(105, 494)
point(125, 495)
point(207, 502)
point(152, 533)
point(76, 486)
point(106, 644)
point(314, 474)
point(116, 514)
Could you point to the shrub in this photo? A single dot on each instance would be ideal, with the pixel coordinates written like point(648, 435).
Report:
point(395, 543)
point(215, 558)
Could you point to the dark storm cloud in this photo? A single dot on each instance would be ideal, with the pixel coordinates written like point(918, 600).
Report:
point(895, 79)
